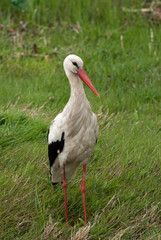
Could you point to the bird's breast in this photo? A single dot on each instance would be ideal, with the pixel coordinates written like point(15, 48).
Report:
point(78, 115)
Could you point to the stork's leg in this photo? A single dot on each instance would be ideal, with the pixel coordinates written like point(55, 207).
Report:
point(65, 194)
point(83, 189)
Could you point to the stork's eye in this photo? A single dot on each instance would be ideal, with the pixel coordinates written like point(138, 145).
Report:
point(75, 64)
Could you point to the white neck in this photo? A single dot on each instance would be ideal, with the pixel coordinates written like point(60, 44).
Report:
point(77, 89)
point(77, 111)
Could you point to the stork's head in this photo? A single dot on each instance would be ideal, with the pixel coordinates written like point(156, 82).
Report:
point(74, 64)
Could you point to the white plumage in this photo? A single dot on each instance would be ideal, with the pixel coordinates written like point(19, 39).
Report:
point(73, 133)
point(78, 123)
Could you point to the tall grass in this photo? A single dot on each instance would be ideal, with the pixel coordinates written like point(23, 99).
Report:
point(121, 53)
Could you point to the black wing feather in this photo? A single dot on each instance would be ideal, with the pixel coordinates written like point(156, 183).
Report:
point(55, 148)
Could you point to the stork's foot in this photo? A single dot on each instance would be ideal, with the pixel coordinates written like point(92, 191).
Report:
point(83, 189)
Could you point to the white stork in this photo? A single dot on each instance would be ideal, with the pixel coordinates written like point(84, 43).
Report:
point(73, 133)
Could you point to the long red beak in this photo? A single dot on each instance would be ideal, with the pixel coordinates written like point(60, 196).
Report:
point(81, 73)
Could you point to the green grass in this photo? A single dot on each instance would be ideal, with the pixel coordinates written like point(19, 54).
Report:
point(123, 62)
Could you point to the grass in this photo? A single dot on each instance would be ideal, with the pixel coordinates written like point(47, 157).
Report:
point(121, 53)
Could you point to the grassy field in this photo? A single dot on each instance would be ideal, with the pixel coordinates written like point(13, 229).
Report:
point(122, 55)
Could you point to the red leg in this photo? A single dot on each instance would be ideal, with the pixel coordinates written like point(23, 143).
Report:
point(83, 189)
point(65, 194)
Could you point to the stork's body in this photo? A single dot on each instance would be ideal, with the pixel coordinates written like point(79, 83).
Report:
point(73, 133)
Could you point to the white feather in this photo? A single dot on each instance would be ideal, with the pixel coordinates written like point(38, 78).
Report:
point(79, 124)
